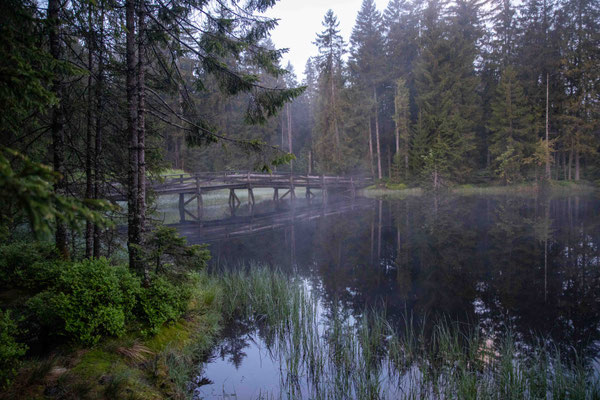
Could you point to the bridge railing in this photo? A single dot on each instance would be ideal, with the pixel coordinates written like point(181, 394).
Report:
point(256, 178)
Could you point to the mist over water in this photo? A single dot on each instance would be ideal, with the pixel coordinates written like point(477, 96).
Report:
point(531, 265)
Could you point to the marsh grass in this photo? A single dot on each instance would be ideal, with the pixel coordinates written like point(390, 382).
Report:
point(554, 188)
point(339, 356)
point(375, 192)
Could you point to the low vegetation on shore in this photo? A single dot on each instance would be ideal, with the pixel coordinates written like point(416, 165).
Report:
point(93, 329)
point(130, 343)
point(553, 188)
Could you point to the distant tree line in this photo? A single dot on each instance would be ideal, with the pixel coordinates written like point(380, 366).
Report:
point(463, 91)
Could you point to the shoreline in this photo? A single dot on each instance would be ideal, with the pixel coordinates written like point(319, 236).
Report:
point(556, 188)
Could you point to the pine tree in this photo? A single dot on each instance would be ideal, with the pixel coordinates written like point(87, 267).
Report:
point(329, 139)
point(402, 127)
point(446, 85)
point(367, 65)
point(581, 63)
point(512, 141)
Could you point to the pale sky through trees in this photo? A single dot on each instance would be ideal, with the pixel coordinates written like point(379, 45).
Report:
point(300, 20)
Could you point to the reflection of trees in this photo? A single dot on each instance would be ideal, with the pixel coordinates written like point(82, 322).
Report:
point(533, 271)
point(234, 339)
point(532, 264)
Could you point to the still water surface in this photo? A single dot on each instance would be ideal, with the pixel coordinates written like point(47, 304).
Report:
point(528, 264)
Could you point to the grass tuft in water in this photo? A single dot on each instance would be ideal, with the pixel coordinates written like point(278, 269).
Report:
point(333, 355)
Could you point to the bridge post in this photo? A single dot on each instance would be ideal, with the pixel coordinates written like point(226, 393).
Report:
point(324, 189)
point(276, 195)
point(199, 203)
point(292, 189)
point(234, 201)
point(250, 192)
point(181, 207)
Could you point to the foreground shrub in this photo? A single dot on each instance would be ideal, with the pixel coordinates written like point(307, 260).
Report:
point(163, 301)
point(10, 350)
point(30, 265)
point(89, 299)
point(169, 253)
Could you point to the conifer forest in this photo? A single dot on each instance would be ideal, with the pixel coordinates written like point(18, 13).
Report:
point(408, 186)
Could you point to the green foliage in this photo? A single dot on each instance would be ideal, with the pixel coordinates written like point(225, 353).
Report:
point(30, 265)
point(162, 302)
point(10, 350)
point(25, 66)
point(513, 140)
point(30, 188)
point(395, 186)
point(166, 250)
point(89, 299)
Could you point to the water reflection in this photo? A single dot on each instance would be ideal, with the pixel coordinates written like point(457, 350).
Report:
point(528, 264)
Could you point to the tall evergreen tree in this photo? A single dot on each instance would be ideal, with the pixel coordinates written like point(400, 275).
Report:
point(367, 65)
point(512, 141)
point(329, 144)
point(446, 84)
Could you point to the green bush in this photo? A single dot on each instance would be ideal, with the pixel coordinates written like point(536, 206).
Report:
point(10, 350)
point(89, 299)
point(169, 253)
point(163, 301)
point(30, 265)
point(395, 186)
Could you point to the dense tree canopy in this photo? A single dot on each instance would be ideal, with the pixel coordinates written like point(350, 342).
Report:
point(109, 93)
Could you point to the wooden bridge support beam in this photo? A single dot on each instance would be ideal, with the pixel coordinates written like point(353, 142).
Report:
point(234, 201)
point(199, 202)
point(181, 207)
point(292, 190)
point(276, 195)
point(324, 190)
point(251, 201)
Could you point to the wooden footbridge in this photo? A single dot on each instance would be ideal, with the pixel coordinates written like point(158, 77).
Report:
point(237, 226)
point(283, 184)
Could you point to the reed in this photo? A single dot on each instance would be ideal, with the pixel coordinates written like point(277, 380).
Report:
point(333, 355)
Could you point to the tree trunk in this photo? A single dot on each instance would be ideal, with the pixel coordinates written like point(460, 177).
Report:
point(180, 139)
point(289, 129)
point(569, 168)
point(98, 139)
point(389, 154)
point(89, 178)
point(371, 150)
point(377, 135)
point(57, 124)
point(133, 222)
point(548, 176)
point(141, 133)
point(397, 125)
point(335, 124)
point(577, 169)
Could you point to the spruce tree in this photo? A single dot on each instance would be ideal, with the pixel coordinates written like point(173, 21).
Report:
point(512, 141)
point(329, 140)
point(446, 84)
point(367, 64)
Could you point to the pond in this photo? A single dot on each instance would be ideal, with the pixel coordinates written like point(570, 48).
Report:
point(524, 264)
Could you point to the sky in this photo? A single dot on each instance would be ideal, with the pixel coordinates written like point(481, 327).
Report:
point(300, 20)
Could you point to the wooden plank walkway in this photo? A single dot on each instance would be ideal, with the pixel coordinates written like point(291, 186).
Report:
point(199, 183)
